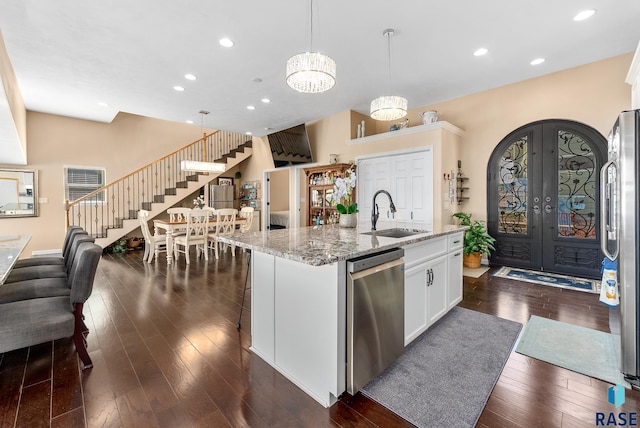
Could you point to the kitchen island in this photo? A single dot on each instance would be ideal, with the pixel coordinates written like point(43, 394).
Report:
point(298, 294)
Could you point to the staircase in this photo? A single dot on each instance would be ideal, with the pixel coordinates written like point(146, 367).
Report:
point(111, 212)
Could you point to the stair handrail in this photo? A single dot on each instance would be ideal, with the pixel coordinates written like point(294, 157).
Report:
point(107, 206)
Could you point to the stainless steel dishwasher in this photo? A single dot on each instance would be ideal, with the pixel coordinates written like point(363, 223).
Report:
point(375, 315)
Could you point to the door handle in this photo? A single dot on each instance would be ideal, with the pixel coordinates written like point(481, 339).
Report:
point(536, 209)
point(605, 200)
point(548, 208)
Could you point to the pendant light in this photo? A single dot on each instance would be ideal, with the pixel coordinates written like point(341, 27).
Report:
point(389, 107)
point(202, 166)
point(311, 72)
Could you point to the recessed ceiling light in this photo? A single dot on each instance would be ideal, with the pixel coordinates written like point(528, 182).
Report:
point(189, 122)
point(585, 14)
point(190, 76)
point(266, 100)
point(226, 42)
point(267, 128)
point(178, 88)
point(537, 61)
point(103, 104)
point(251, 107)
point(480, 52)
point(248, 133)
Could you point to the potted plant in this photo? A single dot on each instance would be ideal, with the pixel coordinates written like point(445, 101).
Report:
point(343, 198)
point(477, 241)
point(120, 246)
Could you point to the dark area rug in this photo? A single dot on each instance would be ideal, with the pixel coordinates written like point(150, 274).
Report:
point(446, 375)
point(552, 279)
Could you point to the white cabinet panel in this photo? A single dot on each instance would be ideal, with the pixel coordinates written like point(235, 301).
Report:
point(415, 300)
point(455, 278)
point(455, 241)
point(262, 305)
point(432, 282)
point(307, 304)
point(436, 289)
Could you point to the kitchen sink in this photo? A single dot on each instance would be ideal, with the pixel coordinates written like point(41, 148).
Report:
point(395, 233)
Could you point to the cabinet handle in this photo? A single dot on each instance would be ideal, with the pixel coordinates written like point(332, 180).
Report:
point(431, 270)
point(456, 254)
point(456, 242)
point(411, 215)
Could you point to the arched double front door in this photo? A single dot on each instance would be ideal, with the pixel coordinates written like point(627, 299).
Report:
point(543, 198)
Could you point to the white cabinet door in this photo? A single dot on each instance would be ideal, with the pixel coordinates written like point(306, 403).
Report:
point(415, 301)
point(436, 289)
point(373, 175)
point(455, 278)
point(412, 188)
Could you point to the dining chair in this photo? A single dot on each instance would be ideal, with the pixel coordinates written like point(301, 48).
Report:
point(153, 244)
point(225, 225)
point(196, 235)
point(37, 319)
point(212, 211)
point(247, 214)
point(52, 260)
point(178, 214)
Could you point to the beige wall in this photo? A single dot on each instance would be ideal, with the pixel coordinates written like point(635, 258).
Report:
point(279, 194)
point(592, 94)
point(13, 94)
point(121, 147)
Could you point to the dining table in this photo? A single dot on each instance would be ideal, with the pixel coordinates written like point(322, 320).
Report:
point(11, 246)
point(172, 227)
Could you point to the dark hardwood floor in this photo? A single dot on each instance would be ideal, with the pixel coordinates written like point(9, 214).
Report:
point(166, 352)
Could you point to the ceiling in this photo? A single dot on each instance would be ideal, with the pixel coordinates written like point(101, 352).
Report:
point(71, 55)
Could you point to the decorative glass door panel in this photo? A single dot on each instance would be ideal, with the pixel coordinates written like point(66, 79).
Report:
point(543, 198)
point(512, 189)
point(577, 187)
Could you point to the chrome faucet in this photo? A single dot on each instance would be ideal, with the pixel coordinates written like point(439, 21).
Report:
point(374, 208)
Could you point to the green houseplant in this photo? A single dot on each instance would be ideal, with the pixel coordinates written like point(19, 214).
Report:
point(477, 240)
point(120, 246)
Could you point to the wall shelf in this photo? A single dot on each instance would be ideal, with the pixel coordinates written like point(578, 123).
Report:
point(250, 194)
point(461, 187)
point(409, 130)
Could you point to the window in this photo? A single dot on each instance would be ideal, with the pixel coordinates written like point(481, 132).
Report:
point(80, 181)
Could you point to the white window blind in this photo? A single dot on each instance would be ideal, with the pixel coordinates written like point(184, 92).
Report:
point(80, 182)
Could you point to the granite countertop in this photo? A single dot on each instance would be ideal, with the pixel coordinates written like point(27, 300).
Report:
point(320, 245)
point(10, 249)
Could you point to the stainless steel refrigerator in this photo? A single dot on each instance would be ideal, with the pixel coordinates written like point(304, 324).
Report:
point(620, 216)
point(221, 196)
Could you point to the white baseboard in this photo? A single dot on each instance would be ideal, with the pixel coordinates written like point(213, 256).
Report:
point(46, 253)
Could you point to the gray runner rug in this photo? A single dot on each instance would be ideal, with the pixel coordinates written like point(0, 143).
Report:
point(445, 376)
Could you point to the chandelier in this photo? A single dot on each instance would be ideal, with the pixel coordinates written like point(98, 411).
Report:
point(388, 107)
point(311, 72)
